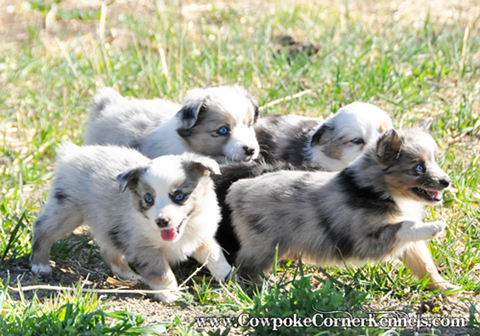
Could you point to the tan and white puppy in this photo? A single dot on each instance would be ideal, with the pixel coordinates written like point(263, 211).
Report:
point(333, 144)
point(369, 212)
point(147, 213)
point(216, 122)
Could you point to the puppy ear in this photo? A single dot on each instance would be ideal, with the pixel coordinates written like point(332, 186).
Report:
point(389, 146)
point(256, 109)
point(129, 178)
point(190, 111)
point(322, 135)
point(385, 125)
point(203, 165)
point(425, 126)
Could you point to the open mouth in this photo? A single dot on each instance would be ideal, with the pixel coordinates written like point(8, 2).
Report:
point(171, 234)
point(431, 196)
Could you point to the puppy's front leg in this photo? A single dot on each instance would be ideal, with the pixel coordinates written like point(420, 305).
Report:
point(118, 264)
point(156, 272)
point(411, 231)
point(418, 260)
point(212, 253)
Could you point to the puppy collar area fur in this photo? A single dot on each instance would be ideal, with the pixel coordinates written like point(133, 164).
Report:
point(368, 194)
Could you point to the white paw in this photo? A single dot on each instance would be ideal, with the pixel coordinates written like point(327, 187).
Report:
point(136, 278)
point(167, 297)
point(127, 276)
point(436, 228)
point(221, 272)
point(41, 269)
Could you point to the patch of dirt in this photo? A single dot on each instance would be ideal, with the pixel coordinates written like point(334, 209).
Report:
point(84, 265)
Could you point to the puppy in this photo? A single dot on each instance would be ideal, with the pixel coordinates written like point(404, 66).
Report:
point(334, 144)
point(217, 122)
point(149, 213)
point(369, 212)
point(231, 173)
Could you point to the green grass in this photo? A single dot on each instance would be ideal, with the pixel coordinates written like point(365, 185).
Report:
point(411, 72)
point(67, 314)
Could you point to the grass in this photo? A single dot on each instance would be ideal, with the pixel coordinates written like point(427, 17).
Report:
point(67, 314)
point(411, 70)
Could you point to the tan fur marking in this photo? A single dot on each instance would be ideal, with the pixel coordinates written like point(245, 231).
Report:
point(384, 126)
point(248, 118)
point(202, 141)
point(334, 149)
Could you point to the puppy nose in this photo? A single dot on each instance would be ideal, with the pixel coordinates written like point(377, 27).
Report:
point(248, 150)
point(445, 182)
point(162, 222)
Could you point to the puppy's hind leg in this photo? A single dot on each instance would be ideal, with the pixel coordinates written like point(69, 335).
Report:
point(418, 260)
point(249, 262)
point(211, 253)
point(54, 223)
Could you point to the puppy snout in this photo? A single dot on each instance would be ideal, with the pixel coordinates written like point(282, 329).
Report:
point(445, 182)
point(162, 222)
point(249, 151)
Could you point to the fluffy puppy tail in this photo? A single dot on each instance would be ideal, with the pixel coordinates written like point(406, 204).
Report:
point(101, 100)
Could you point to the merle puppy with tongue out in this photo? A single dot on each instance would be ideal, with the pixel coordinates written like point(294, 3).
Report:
point(369, 212)
point(146, 213)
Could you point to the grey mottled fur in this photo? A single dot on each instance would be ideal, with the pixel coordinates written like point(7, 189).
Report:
point(333, 143)
point(118, 121)
point(369, 212)
point(159, 127)
point(106, 188)
point(286, 138)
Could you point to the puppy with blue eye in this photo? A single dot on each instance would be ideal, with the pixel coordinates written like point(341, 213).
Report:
point(217, 122)
point(150, 214)
point(369, 212)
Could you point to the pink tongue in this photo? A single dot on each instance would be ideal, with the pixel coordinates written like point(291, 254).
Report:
point(435, 194)
point(168, 235)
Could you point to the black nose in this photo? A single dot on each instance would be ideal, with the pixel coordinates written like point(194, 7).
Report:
point(445, 182)
point(248, 150)
point(162, 222)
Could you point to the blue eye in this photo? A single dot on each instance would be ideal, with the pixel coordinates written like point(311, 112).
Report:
point(420, 169)
point(148, 199)
point(223, 131)
point(358, 141)
point(179, 197)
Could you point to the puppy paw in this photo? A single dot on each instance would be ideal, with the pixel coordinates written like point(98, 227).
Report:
point(249, 277)
point(132, 278)
point(221, 272)
point(436, 228)
point(452, 291)
point(167, 297)
point(446, 288)
point(39, 269)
